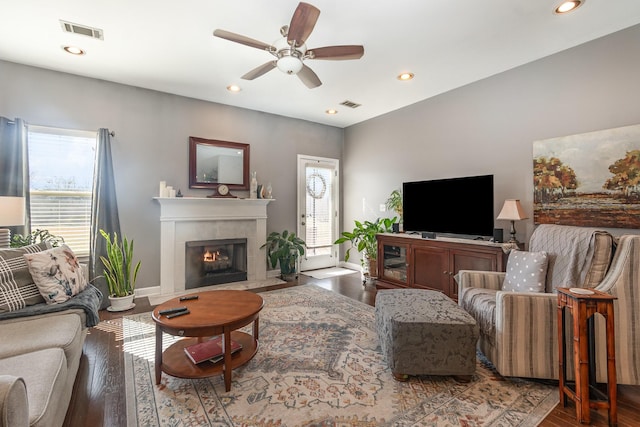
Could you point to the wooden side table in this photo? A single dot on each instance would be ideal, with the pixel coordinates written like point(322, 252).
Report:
point(583, 306)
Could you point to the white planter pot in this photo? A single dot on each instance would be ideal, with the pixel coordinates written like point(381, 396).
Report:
point(121, 303)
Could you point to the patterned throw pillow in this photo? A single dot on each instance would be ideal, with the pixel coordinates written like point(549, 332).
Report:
point(57, 273)
point(17, 289)
point(526, 271)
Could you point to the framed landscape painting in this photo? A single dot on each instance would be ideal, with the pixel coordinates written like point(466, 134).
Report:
point(590, 179)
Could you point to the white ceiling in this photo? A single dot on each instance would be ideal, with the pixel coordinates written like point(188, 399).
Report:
point(168, 46)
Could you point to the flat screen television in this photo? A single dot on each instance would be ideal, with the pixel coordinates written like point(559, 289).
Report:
point(460, 206)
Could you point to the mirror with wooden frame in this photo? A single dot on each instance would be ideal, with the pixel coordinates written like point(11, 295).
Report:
point(213, 162)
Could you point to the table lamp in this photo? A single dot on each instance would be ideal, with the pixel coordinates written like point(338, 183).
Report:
point(11, 213)
point(512, 211)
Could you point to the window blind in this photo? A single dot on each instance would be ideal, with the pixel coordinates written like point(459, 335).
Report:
point(61, 164)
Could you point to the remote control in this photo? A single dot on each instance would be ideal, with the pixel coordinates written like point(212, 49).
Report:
point(189, 297)
point(177, 313)
point(172, 310)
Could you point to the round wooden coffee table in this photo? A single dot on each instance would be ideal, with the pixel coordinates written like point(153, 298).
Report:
point(213, 313)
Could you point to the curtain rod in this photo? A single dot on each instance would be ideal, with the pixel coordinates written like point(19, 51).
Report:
point(112, 133)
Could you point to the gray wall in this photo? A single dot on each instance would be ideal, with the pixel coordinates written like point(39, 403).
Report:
point(151, 143)
point(485, 127)
point(488, 127)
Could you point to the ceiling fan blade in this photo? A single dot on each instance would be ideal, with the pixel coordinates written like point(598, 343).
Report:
point(337, 53)
point(223, 34)
point(302, 23)
point(308, 77)
point(258, 71)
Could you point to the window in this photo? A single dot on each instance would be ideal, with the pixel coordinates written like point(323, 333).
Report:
point(61, 164)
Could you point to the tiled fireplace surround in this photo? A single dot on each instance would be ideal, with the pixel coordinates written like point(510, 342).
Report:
point(186, 219)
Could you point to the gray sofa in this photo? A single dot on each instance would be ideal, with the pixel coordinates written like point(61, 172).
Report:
point(40, 351)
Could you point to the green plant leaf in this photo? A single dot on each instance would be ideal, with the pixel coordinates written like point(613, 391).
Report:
point(118, 265)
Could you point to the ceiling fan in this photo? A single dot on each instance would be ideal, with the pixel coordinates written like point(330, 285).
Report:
point(291, 51)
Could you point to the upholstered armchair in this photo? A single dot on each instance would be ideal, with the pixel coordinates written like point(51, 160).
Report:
point(518, 329)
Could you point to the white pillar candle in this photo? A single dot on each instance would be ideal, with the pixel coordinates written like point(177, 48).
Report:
point(163, 186)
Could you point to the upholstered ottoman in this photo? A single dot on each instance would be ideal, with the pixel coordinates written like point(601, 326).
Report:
point(425, 332)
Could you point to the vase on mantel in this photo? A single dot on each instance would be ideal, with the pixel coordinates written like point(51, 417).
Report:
point(253, 190)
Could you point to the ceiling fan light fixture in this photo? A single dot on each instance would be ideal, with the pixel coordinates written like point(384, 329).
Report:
point(289, 64)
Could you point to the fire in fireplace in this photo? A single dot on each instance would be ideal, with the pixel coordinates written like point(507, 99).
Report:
point(212, 262)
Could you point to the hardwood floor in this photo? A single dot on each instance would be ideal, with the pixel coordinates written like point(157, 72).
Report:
point(99, 393)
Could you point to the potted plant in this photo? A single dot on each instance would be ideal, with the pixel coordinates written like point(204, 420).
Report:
point(394, 202)
point(363, 238)
point(36, 236)
point(284, 248)
point(119, 271)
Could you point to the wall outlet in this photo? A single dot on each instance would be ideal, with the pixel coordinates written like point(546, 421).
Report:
point(383, 208)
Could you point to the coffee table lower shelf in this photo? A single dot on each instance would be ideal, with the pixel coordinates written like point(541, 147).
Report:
point(177, 364)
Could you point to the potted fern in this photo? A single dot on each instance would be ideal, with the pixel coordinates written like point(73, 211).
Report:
point(119, 271)
point(363, 238)
point(284, 248)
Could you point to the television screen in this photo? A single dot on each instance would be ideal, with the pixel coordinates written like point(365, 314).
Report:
point(452, 206)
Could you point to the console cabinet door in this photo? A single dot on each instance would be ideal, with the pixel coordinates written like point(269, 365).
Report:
point(430, 268)
point(394, 263)
point(467, 260)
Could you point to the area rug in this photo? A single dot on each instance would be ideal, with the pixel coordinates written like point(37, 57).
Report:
point(319, 364)
point(325, 273)
point(244, 285)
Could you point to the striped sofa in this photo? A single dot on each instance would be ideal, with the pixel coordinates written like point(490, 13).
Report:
point(518, 330)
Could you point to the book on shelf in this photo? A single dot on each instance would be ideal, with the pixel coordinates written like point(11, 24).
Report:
point(210, 350)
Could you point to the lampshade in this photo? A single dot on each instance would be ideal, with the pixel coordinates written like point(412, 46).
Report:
point(512, 210)
point(11, 211)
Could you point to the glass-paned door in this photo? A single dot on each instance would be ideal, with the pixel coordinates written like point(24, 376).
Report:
point(318, 211)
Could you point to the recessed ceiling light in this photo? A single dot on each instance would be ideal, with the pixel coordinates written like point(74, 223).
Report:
point(73, 50)
point(405, 76)
point(331, 111)
point(568, 6)
point(234, 88)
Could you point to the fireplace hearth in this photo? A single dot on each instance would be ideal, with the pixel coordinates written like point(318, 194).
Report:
point(213, 262)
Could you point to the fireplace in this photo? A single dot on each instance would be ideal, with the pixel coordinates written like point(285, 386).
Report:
point(212, 262)
point(184, 219)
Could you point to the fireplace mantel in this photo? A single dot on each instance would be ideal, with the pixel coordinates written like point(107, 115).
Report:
point(197, 208)
point(183, 219)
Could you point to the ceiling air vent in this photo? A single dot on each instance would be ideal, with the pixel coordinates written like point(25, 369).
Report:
point(83, 30)
point(350, 104)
